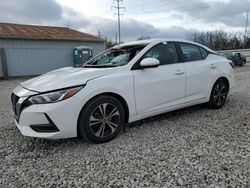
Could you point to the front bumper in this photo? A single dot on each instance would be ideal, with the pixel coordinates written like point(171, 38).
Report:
point(50, 121)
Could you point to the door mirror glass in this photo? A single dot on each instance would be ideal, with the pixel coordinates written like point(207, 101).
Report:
point(149, 63)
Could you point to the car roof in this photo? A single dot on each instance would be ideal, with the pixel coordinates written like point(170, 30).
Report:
point(158, 40)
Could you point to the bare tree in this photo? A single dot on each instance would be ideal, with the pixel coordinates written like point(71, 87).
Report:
point(219, 40)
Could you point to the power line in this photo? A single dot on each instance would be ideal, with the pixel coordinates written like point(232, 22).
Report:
point(118, 14)
point(152, 3)
point(161, 8)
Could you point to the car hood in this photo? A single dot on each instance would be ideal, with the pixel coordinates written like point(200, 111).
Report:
point(64, 77)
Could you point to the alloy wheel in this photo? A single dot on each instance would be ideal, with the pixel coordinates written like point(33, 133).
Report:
point(104, 120)
point(220, 94)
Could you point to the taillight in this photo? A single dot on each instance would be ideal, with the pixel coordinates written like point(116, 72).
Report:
point(232, 64)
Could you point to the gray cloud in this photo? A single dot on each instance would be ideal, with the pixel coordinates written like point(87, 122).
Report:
point(230, 13)
point(49, 12)
point(29, 11)
point(132, 29)
point(75, 19)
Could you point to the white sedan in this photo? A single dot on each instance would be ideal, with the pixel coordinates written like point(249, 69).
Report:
point(126, 83)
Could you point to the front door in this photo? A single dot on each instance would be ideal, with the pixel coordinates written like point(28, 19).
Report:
point(162, 87)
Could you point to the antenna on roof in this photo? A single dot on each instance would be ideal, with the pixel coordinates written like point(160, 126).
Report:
point(68, 25)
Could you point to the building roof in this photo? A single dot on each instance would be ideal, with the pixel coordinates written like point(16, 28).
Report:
point(19, 31)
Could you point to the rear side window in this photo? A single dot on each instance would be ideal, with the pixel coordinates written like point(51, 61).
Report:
point(190, 52)
point(204, 53)
point(165, 53)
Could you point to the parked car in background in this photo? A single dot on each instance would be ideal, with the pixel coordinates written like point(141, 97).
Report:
point(126, 83)
point(236, 57)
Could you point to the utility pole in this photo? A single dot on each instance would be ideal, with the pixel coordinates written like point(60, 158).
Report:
point(245, 34)
point(118, 14)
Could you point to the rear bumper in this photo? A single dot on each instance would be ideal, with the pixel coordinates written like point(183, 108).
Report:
point(232, 80)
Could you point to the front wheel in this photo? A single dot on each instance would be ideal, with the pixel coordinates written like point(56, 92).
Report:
point(101, 119)
point(218, 95)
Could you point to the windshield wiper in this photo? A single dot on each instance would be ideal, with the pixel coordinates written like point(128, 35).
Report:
point(98, 66)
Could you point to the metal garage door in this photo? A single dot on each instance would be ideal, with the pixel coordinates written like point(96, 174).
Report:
point(36, 61)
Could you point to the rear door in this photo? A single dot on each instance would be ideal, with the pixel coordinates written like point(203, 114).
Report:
point(161, 87)
point(200, 71)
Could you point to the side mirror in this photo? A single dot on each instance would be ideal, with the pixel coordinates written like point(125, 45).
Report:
point(149, 63)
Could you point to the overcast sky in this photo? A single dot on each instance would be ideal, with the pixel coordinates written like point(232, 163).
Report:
point(154, 18)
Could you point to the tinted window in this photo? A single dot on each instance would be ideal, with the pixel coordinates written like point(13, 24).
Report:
point(165, 53)
point(229, 56)
point(204, 53)
point(190, 52)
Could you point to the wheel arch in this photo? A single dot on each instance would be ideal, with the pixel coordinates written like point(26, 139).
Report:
point(216, 80)
point(117, 96)
point(211, 102)
point(224, 79)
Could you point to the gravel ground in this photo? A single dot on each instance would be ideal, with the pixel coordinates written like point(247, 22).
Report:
point(192, 147)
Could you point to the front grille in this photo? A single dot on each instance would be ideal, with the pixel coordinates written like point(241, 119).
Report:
point(18, 105)
point(24, 105)
point(14, 100)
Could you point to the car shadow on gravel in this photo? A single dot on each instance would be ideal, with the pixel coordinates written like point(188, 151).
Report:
point(12, 142)
point(45, 146)
point(74, 141)
point(168, 115)
point(173, 115)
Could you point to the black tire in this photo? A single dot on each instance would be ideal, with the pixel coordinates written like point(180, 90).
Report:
point(101, 119)
point(218, 94)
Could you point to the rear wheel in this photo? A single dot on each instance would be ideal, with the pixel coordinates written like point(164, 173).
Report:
point(218, 95)
point(243, 62)
point(101, 119)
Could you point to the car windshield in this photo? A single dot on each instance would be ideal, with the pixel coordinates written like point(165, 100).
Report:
point(114, 57)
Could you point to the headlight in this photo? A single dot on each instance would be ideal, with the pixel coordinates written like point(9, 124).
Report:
point(54, 96)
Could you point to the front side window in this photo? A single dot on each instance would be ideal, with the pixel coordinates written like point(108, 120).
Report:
point(190, 52)
point(164, 52)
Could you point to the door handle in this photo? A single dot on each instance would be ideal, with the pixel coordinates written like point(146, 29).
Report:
point(212, 66)
point(179, 72)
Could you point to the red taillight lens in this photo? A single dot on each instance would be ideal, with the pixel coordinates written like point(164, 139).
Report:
point(232, 64)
